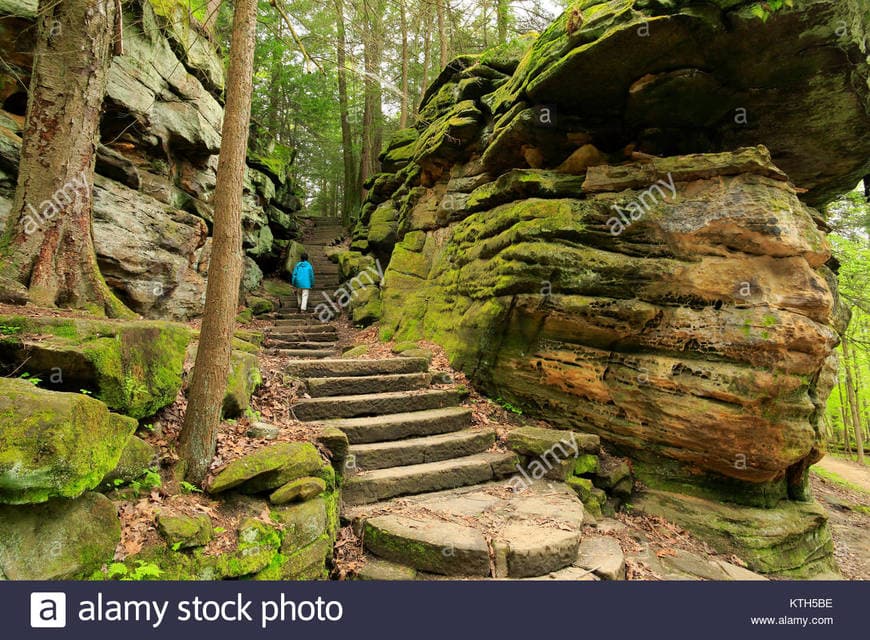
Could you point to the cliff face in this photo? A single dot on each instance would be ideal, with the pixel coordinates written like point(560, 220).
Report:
point(590, 229)
point(156, 166)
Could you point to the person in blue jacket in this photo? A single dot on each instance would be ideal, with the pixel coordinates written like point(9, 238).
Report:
point(303, 280)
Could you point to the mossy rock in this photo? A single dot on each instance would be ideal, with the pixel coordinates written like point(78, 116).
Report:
point(366, 306)
point(55, 444)
point(535, 441)
point(301, 523)
point(416, 353)
point(268, 468)
point(356, 352)
point(259, 306)
point(336, 442)
point(278, 288)
point(791, 540)
point(136, 458)
point(298, 490)
point(58, 540)
point(582, 486)
point(293, 255)
point(134, 367)
point(585, 464)
point(184, 532)
point(245, 316)
point(401, 347)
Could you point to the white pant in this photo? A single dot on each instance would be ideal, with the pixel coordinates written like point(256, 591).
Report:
point(302, 298)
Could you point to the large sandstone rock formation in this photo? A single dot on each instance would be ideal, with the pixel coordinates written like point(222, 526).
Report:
point(587, 223)
point(161, 133)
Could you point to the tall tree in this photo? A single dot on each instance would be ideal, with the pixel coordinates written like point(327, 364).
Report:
point(442, 34)
point(350, 197)
point(403, 108)
point(198, 438)
point(372, 19)
point(501, 11)
point(48, 248)
point(853, 401)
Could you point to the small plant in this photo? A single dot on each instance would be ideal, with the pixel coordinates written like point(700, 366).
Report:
point(253, 416)
point(766, 9)
point(219, 530)
point(30, 378)
point(9, 329)
point(188, 487)
point(143, 571)
point(86, 392)
point(149, 480)
point(504, 404)
point(148, 427)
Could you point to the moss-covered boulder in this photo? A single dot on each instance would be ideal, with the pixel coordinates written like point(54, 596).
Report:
point(183, 532)
point(298, 490)
point(791, 540)
point(135, 367)
point(55, 444)
point(259, 306)
point(536, 441)
point(268, 468)
point(243, 381)
point(294, 255)
point(136, 458)
point(58, 540)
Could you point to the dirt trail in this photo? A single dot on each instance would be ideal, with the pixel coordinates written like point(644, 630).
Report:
point(852, 471)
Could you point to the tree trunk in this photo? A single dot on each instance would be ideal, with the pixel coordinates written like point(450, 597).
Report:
point(853, 403)
point(502, 9)
point(350, 192)
point(427, 44)
point(403, 113)
point(48, 247)
point(199, 434)
point(442, 33)
point(212, 9)
point(844, 412)
point(372, 116)
point(867, 188)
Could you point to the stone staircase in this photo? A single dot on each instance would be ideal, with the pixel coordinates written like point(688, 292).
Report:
point(423, 486)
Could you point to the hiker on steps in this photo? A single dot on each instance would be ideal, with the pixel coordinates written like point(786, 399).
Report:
point(303, 280)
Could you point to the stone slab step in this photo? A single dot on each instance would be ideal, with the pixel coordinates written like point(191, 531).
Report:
point(400, 453)
point(347, 385)
point(308, 329)
point(284, 340)
point(311, 332)
point(382, 484)
point(423, 543)
point(398, 426)
point(302, 344)
point(356, 367)
point(306, 353)
point(374, 404)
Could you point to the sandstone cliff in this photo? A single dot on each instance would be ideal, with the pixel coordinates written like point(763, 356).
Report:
point(588, 224)
point(156, 166)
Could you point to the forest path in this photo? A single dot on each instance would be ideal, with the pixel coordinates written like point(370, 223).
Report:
point(857, 474)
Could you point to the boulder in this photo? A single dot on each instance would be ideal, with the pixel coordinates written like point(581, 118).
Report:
point(58, 540)
point(184, 532)
point(791, 540)
point(137, 457)
point(55, 444)
point(298, 490)
point(268, 468)
point(135, 367)
point(243, 380)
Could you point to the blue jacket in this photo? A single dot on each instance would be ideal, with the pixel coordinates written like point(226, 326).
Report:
point(303, 275)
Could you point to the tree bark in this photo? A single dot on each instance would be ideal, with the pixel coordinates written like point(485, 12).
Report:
point(212, 9)
point(502, 10)
point(427, 44)
point(350, 191)
point(853, 403)
point(442, 33)
point(48, 246)
point(372, 116)
point(844, 413)
point(403, 113)
point(198, 438)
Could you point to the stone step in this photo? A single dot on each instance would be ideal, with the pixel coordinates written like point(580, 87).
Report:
point(279, 339)
point(306, 353)
point(311, 329)
point(398, 426)
point(400, 453)
point(355, 385)
point(290, 345)
point(382, 484)
point(353, 367)
point(374, 404)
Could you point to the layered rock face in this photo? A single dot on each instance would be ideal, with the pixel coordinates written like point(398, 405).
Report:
point(592, 231)
point(157, 164)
